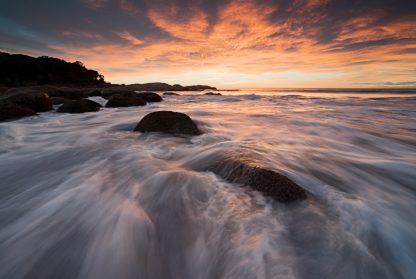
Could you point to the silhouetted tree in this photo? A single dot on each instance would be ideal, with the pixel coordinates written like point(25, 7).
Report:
point(20, 70)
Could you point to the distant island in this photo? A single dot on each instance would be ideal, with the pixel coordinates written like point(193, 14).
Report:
point(159, 86)
point(17, 70)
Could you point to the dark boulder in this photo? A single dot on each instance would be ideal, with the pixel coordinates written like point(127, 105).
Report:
point(3, 90)
point(92, 103)
point(147, 96)
point(168, 122)
point(34, 99)
point(150, 97)
point(44, 88)
point(108, 93)
point(68, 93)
point(94, 93)
point(235, 170)
point(78, 106)
point(59, 100)
point(51, 91)
point(125, 101)
point(73, 93)
point(10, 111)
point(212, 94)
point(170, 94)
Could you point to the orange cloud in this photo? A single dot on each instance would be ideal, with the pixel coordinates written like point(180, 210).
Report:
point(192, 28)
point(244, 43)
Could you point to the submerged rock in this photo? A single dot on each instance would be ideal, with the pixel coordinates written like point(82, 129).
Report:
point(79, 106)
point(10, 111)
point(92, 103)
point(171, 94)
point(125, 101)
point(269, 182)
point(59, 100)
point(168, 122)
point(150, 97)
point(213, 94)
point(94, 93)
point(246, 168)
point(36, 100)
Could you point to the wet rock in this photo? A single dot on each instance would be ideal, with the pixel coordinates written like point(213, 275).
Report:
point(270, 183)
point(74, 93)
point(3, 90)
point(108, 93)
point(36, 100)
point(213, 94)
point(44, 88)
point(68, 93)
point(54, 91)
point(125, 101)
point(59, 100)
point(171, 94)
point(92, 103)
point(147, 96)
point(150, 97)
point(79, 106)
point(168, 122)
point(94, 93)
point(9, 111)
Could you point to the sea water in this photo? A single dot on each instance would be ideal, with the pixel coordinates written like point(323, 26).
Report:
point(83, 196)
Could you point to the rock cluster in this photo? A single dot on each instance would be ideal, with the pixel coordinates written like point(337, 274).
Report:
point(24, 102)
point(123, 98)
point(13, 111)
point(27, 101)
point(33, 99)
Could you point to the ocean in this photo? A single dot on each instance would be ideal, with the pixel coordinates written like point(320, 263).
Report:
point(83, 196)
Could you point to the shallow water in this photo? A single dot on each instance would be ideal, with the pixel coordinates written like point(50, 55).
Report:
point(82, 196)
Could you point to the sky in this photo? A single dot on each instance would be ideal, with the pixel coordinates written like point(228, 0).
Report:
point(223, 43)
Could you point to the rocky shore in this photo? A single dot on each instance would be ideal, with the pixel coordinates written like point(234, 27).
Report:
point(27, 101)
point(28, 86)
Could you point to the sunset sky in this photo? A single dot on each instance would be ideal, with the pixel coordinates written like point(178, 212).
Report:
point(228, 43)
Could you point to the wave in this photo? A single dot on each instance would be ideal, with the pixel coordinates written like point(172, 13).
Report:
point(82, 196)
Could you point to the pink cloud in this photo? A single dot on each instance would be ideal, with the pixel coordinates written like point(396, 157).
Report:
point(130, 38)
point(87, 35)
